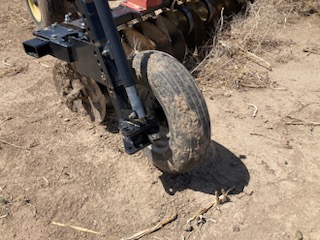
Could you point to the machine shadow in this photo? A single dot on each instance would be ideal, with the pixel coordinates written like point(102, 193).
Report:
point(220, 169)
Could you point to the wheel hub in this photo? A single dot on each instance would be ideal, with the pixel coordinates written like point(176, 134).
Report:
point(161, 144)
point(35, 9)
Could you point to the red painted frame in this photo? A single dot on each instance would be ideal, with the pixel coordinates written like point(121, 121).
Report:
point(141, 5)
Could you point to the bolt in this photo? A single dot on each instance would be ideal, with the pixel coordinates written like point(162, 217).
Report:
point(103, 77)
point(53, 36)
point(83, 25)
point(54, 24)
point(154, 137)
point(132, 115)
point(67, 17)
point(105, 52)
point(70, 30)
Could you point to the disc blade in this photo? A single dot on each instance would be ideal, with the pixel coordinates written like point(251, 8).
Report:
point(197, 32)
point(175, 35)
point(136, 40)
point(200, 8)
point(230, 7)
point(152, 32)
point(179, 20)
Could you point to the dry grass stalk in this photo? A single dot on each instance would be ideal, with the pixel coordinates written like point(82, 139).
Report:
point(81, 229)
point(45, 179)
point(276, 86)
point(219, 199)
point(14, 145)
point(14, 69)
point(6, 119)
point(4, 216)
point(255, 109)
point(311, 51)
point(299, 122)
point(4, 61)
point(44, 65)
point(153, 229)
point(252, 55)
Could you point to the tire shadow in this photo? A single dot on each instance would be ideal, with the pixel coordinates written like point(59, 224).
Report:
point(220, 169)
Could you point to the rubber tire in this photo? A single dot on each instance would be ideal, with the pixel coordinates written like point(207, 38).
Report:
point(51, 11)
point(184, 107)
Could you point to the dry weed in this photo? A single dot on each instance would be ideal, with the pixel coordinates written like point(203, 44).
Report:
point(306, 7)
point(245, 48)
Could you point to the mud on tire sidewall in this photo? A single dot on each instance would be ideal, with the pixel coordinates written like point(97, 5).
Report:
point(184, 107)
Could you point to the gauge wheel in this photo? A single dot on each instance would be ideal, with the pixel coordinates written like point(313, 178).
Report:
point(46, 12)
point(170, 94)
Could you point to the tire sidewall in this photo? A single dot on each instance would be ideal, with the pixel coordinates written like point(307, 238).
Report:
point(51, 11)
point(189, 134)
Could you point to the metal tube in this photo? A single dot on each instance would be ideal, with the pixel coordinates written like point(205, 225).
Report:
point(119, 56)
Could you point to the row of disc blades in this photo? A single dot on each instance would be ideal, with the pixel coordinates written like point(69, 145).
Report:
point(178, 28)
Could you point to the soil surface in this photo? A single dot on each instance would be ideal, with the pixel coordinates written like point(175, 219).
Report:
point(58, 167)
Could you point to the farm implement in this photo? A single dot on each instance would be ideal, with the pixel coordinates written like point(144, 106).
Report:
point(128, 60)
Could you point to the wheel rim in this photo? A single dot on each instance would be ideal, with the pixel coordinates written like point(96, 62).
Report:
point(152, 107)
point(35, 9)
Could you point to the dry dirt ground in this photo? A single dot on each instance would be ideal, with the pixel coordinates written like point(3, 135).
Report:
point(56, 166)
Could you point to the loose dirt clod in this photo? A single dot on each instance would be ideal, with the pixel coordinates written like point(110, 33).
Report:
point(298, 235)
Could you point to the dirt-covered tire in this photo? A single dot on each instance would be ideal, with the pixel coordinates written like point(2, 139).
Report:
point(46, 12)
point(170, 93)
